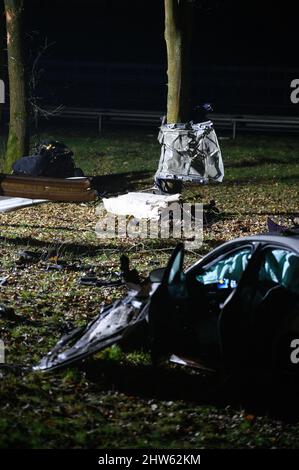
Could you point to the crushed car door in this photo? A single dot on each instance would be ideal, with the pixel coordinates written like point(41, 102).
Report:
point(185, 309)
point(112, 325)
point(275, 311)
point(209, 286)
point(235, 319)
point(169, 323)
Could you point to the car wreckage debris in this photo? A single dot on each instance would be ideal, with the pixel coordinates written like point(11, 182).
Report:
point(48, 260)
point(27, 257)
point(190, 153)
point(112, 325)
point(126, 275)
point(8, 313)
point(141, 205)
point(274, 227)
point(52, 189)
point(98, 282)
point(163, 312)
point(9, 204)
point(3, 281)
point(50, 158)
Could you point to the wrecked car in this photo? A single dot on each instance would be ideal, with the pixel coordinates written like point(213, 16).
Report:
point(237, 307)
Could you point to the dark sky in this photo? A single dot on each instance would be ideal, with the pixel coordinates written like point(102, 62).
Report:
point(225, 32)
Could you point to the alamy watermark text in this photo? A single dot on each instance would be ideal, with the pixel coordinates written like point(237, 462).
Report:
point(179, 221)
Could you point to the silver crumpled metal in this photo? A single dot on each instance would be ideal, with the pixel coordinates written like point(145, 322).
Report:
point(190, 152)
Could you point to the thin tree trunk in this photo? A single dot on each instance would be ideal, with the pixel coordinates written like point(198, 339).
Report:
point(2, 34)
point(18, 138)
point(178, 30)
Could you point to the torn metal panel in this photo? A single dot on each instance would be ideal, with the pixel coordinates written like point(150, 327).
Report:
point(193, 363)
point(190, 152)
point(8, 204)
point(112, 325)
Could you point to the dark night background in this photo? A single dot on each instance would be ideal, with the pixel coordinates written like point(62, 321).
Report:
point(112, 54)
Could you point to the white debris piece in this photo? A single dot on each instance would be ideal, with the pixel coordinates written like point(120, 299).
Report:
point(8, 204)
point(140, 205)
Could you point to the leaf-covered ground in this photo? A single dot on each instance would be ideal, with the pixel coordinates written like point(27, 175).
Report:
point(117, 399)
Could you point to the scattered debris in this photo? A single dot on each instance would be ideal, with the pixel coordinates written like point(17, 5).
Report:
point(8, 204)
point(162, 311)
point(54, 267)
point(78, 189)
point(97, 282)
point(28, 257)
point(3, 281)
point(111, 326)
point(126, 276)
point(51, 158)
point(274, 227)
point(140, 205)
point(8, 313)
point(130, 276)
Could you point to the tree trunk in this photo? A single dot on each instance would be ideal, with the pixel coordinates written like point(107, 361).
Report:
point(178, 30)
point(2, 29)
point(18, 138)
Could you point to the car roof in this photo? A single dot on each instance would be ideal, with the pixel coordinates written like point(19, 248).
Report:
point(290, 242)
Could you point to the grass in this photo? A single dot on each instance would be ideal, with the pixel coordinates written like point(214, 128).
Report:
point(117, 399)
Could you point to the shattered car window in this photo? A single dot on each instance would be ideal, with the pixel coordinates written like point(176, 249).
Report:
point(281, 267)
point(175, 269)
point(226, 271)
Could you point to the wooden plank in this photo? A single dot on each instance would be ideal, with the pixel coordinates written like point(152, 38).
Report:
point(53, 189)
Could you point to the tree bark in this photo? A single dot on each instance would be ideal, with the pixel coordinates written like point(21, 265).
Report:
point(18, 137)
point(2, 34)
point(178, 31)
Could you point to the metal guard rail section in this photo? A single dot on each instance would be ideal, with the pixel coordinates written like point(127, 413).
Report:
point(233, 121)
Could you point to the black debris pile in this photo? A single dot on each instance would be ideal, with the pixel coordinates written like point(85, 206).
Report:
point(49, 159)
point(90, 279)
point(51, 260)
point(28, 257)
point(274, 227)
point(8, 313)
point(211, 213)
point(113, 279)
